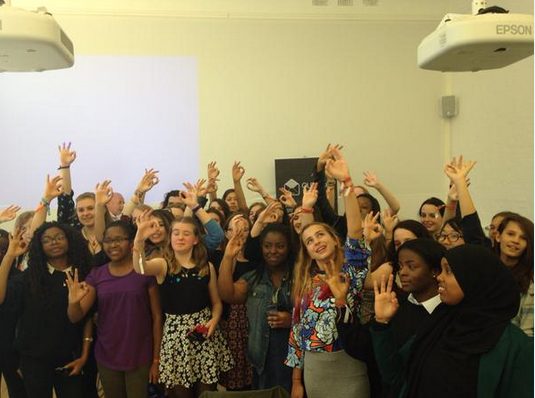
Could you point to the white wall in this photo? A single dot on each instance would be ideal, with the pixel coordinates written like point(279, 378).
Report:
point(283, 82)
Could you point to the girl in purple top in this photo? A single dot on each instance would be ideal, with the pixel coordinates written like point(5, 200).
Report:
point(129, 317)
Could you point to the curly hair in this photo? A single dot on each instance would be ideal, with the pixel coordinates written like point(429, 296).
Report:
point(78, 256)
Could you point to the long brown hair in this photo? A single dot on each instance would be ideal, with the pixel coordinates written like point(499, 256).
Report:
point(304, 265)
point(523, 270)
point(199, 254)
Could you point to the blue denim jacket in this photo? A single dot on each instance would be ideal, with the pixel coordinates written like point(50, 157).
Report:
point(261, 294)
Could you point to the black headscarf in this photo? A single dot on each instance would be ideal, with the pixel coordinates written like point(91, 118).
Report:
point(446, 352)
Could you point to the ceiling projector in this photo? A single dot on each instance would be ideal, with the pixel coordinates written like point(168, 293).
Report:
point(489, 39)
point(32, 41)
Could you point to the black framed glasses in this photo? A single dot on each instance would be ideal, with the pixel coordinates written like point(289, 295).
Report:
point(452, 236)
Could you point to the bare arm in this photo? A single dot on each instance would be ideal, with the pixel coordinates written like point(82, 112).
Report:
point(149, 180)
point(371, 180)
point(103, 194)
point(156, 266)
point(156, 313)
point(66, 158)
point(217, 306)
point(338, 168)
point(237, 173)
point(231, 292)
point(254, 185)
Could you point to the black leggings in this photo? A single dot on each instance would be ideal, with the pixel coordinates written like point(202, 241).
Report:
point(9, 364)
point(40, 377)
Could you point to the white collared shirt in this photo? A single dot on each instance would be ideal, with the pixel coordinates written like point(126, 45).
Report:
point(429, 304)
point(51, 269)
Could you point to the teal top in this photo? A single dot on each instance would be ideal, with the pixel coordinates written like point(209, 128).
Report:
point(506, 371)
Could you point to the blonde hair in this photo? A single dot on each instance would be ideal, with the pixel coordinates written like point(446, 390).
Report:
point(305, 264)
point(199, 254)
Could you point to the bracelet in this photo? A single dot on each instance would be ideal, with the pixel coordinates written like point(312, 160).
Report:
point(46, 204)
point(195, 209)
point(382, 322)
point(90, 339)
point(307, 210)
point(64, 167)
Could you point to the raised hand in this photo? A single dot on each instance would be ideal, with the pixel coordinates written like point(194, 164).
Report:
point(236, 242)
point(53, 187)
point(198, 188)
point(370, 179)
point(337, 166)
point(77, 290)
point(17, 244)
point(146, 226)
point(213, 171)
point(310, 195)
point(9, 213)
point(103, 192)
point(287, 199)
point(148, 181)
point(269, 214)
point(338, 281)
point(237, 171)
point(371, 227)
point(389, 219)
point(189, 198)
point(457, 170)
point(326, 155)
point(386, 304)
point(66, 155)
point(254, 185)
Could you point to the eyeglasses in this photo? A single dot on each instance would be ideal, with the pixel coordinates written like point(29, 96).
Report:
point(48, 240)
point(429, 215)
point(452, 237)
point(114, 241)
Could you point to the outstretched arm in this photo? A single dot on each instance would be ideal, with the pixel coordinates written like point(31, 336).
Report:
point(339, 169)
point(371, 180)
point(149, 180)
point(103, 194)
point(254, 185)
point(213, 174)
point(237, 173)
point(53, 188)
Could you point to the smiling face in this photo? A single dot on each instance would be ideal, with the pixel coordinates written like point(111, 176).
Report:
point(183, 237)
point(416, 276)
point(512, 242)
point(160, 233)
point(85, 210)
point(320, 244)
point(450, 238)
point(448, 287)
point(55, 244)
point(275, 249)
point(116, 244)
point(431, 218)
point(402, 235)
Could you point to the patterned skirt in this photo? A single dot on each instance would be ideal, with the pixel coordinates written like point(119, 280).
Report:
point(184, 362)
point(235, 331)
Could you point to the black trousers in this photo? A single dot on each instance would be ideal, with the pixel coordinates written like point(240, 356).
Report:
point(9, 364)
point(40, 377)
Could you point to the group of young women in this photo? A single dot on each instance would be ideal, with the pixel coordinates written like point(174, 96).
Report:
point(184, 298)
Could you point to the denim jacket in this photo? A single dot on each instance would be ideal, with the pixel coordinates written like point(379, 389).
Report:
point(262, 294)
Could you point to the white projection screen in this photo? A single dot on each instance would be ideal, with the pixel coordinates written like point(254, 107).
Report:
point(122, 114)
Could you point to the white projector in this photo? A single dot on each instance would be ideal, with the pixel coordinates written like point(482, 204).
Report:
point(477, 42)
point(32, 41)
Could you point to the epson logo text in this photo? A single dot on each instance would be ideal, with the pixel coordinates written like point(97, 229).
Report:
point(514, 29)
